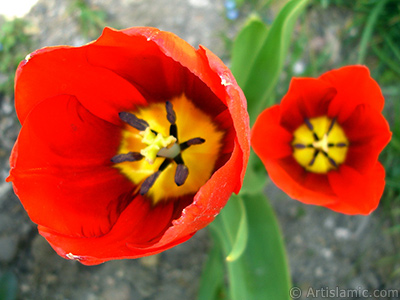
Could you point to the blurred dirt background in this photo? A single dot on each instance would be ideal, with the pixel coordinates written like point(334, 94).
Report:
point(325, 249)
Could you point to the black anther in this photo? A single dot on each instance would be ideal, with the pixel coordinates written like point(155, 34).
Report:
point(191, 142)
point(171, 116)
point(149, 182)
point(131, 156)
point(134, 121)
point(331, 126)
point(299, 146)
point(181, 174)
point(309, 125)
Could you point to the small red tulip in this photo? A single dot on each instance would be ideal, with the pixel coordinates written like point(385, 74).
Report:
point(129, 144)
point(321, 144)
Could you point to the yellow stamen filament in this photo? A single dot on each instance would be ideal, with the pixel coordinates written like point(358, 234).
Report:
point(155, 144)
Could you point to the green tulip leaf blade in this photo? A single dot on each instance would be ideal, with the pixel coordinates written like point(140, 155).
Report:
point(258, 64)
point(240, 241)
point(261, 271)
point(246, 48)
point(8, 286)
point(212, 282)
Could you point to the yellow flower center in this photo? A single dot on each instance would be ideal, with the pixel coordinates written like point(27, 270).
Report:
point(168, 150)
point(320, 145)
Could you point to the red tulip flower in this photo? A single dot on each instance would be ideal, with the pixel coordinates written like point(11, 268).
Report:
point(321, 144)
point(129, 144)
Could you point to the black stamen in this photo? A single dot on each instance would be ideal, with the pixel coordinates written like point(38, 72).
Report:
point(179, 160)
point(333, 163)
point(173, 130)
point(195, 141)
point(341, 145)
point(314, 157)
point(164, 165)
point(325, 154)
point(331, 145)
point(171, 116)
point(181, 174)
point(309, 125)
point(131, 156)
point(148, 182)
point(134, 121)
point(191, 142)
point(316, 138)
point(331, 126)
point(299, 146)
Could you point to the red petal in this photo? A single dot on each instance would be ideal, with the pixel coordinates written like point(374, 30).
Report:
point(138, 61)
point(306, 98)
point(235, 100)
point(299, 184)
point(65, 70)
point(138, 228)
point(61, 169)
point(268, 138)
point(357, 194)
point(175, 50)
point(368, 133)
point(354, 86)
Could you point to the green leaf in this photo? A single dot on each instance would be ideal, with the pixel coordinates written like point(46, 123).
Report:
point(232, 228)
point(8, 286)
point(255, 177)
point(212, 278)
point(369, 29)
point(391, 64)
point(239, 3)
point(392, 46)
point(246, 48)
point(240, 241)
point(261, 75)
point(261, 272)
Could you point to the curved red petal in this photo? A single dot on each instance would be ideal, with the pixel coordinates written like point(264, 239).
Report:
point(65, 70)
point(61, 169)
point(233, 97)
point(354, 86)
point(268, 138)
point(357, 194)
point(139, 223)
point(306, 98)
point(299, 184)
point(139, 61)
point(368, 133)
point(167, 50)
